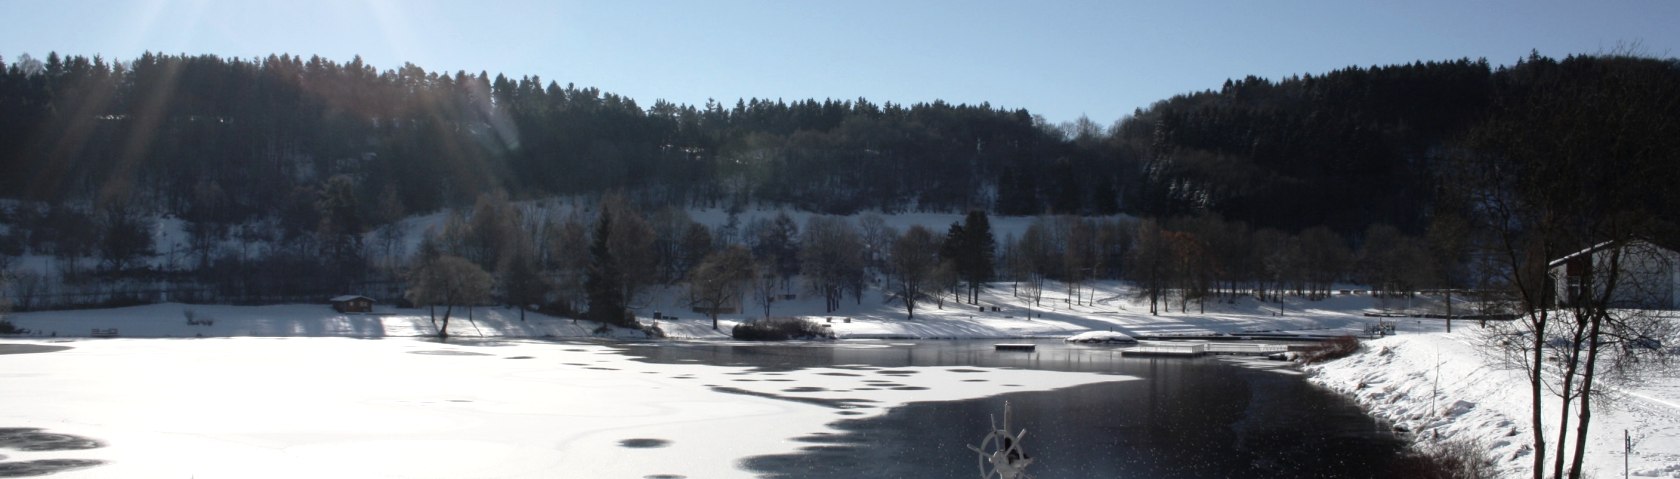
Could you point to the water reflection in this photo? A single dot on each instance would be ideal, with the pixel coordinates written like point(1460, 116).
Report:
point(1186, 418)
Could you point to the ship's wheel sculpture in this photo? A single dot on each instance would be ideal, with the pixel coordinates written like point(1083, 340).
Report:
point(1001, 454)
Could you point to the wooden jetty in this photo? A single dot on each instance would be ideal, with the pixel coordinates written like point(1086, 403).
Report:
point(1015, 347)
point(1203, 349)
point(1166, 349)
point(1246, 349)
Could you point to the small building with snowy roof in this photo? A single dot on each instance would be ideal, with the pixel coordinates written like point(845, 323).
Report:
point(1646, 276)
point(352, 304)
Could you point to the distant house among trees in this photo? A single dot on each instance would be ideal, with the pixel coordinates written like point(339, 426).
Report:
point(352, 304)
point(1647, 276)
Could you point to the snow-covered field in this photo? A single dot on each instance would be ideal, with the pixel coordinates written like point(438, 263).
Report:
point(371, 389)
point(1113, 309)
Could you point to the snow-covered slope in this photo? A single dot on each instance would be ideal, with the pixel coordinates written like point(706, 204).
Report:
point(1443, 386)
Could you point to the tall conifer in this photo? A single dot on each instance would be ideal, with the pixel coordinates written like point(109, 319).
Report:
point(603, 280)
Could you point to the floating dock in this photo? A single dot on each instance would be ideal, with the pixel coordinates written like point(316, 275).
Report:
point(1246, 349)
point(1203, 349)
point(1016, 347)
point(1160, 349)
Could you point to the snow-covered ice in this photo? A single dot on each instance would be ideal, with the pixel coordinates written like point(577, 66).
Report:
point(332, 407)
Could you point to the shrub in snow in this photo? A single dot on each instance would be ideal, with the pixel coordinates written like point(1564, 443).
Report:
point(1449, 459)
point(1336, 348)
point(6, 327)
point(193, 319)
point(652, 330)
point(777, 329)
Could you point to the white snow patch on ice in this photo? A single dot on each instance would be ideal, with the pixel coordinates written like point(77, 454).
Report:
point(326, 407)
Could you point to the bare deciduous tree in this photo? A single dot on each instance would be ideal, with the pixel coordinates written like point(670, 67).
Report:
point(720, 280)
point(1565, 166)
point(449, 281)
point(915, 258)
point(831, 257)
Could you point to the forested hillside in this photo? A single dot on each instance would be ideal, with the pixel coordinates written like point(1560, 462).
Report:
point(227, 140)
point(167, 130)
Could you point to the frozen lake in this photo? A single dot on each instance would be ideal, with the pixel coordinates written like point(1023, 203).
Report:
point(329, 407)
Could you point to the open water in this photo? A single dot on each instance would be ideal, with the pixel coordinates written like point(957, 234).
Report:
point(1185, 418)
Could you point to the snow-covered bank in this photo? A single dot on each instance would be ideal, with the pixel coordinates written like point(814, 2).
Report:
point(1106, 306)
point(1444, 387)
point(326, 407)
point(168, 320)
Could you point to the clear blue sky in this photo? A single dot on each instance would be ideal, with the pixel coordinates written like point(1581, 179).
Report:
point(1060, 59)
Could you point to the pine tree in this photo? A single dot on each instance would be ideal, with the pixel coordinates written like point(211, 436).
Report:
point(340, 228)
point(522, 283)
point(603, 281)
point(951, 260)
point(784, 246)
point(979, 253)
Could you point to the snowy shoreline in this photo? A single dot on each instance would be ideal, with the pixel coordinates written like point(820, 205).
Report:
point(1442, 387)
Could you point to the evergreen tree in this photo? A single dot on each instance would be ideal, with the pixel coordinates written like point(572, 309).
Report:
point(979, 253)
point(340, 230)
point(603, 280)
point(522, 283)
point(569, 256)
point(776, 243)
point(124, 236)
point(951, 250)
point(972, 251)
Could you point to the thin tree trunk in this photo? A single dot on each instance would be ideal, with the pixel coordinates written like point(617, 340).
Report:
point(909, 306)
point(1449, 310)
point(1535, 406)
point(443, 332)
point(1563, 415)
point(1586, 398)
